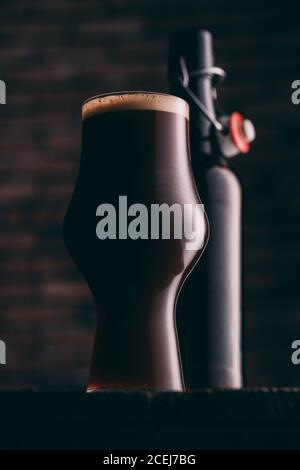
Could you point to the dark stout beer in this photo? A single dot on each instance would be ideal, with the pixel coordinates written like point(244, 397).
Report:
point(133, 145)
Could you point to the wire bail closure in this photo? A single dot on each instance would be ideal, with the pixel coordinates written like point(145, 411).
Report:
point(184, 80)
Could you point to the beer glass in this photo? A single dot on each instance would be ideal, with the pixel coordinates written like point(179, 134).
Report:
point(122, 230)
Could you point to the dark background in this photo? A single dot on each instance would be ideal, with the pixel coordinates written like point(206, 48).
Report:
point(53, 55)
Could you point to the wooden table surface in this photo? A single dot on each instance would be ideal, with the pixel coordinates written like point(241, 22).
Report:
point(245, 419)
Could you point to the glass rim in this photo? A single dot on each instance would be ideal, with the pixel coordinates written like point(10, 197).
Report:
point(134, 100)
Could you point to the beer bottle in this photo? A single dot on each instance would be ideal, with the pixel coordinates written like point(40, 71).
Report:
point(209, 307)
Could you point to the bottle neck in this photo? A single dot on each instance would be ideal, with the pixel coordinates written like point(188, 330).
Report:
point(201, 128)
point(193, 49)
point(202, 133)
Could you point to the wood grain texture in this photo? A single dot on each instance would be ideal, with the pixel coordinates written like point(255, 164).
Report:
point(249, 419)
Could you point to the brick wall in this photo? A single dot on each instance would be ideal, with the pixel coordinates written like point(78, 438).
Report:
point(54, 54)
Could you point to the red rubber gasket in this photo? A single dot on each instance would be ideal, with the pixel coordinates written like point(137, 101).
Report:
point(236, 132)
